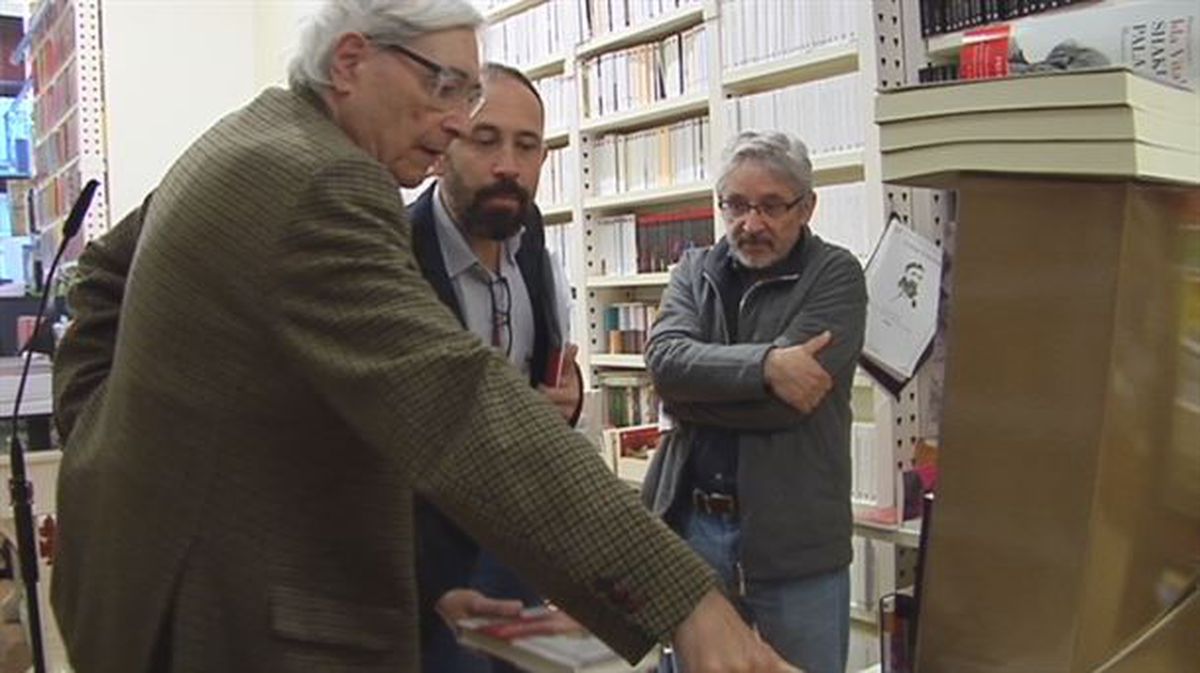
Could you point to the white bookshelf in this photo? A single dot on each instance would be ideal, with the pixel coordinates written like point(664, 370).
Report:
point(557, 212)
point(638, 280)
point(671, 22)
point(619, 361)
point(806, 66)
point(556, 138)
point(551, 65)
point(688, 105)
point(648, 197)
point(503, 10)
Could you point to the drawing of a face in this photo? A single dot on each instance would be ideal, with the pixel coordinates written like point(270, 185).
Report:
point(911, 281)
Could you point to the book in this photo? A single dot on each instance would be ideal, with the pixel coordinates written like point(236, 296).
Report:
point(904, 279)
point(1074, 89)
point(579, 652)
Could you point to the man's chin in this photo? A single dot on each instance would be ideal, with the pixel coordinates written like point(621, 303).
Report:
point(759, 260)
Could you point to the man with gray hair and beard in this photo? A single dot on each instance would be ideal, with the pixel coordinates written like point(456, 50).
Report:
point(240, 465)
point(753, 355)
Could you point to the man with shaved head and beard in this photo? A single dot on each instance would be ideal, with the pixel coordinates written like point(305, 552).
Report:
point(480, 242)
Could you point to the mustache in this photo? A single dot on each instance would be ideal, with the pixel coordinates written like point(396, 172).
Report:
point(503, 187)
point(752, 239)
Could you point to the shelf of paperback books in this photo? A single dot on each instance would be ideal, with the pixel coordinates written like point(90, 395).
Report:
point(658, 279)
point(806, 66)
point(644, 29)
point(498, 11)
point(649, 197)
point(689, 105)
point(944, 35)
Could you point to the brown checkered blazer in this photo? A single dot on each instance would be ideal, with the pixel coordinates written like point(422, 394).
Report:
point(240, 484)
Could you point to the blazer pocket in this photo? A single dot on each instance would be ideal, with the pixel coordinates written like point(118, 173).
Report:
point(302, 616)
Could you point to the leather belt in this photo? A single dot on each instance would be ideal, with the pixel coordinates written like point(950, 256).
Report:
point(714, 503)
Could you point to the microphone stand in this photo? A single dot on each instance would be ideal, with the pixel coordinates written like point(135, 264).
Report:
point(19, 488)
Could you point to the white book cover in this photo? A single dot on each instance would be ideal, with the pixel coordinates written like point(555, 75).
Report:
point(903, 288)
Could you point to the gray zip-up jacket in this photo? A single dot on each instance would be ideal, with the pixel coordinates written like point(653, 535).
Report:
point(793, 468)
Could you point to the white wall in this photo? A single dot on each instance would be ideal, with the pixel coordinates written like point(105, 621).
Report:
point(172, 68)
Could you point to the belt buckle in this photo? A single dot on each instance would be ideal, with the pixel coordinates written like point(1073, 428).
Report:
point(715, 503)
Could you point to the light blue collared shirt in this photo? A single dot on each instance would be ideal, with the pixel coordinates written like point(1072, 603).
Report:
point(473, 287)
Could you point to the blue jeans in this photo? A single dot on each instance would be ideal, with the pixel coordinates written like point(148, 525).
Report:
point(806, 620)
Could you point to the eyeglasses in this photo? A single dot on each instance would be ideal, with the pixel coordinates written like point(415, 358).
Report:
point(501, 314)
point(735, 208)
point(451, 87)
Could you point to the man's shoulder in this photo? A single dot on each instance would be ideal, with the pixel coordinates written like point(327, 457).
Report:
point(280, 138)
point(826, 255)
point(693, 261)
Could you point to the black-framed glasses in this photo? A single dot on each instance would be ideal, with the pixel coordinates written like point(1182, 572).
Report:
point(735, 208)
point(501, 295)
point(451, 87)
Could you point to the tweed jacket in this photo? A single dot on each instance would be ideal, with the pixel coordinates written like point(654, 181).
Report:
point(283, 383)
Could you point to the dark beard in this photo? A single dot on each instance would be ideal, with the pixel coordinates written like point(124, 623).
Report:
point(497, 224)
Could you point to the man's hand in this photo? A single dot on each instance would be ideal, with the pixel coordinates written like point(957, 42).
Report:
point(566, 397)
point(459, 604)
point(795, 376)
point(714, 639)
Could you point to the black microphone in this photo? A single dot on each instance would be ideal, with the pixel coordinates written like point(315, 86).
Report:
point(19, 488)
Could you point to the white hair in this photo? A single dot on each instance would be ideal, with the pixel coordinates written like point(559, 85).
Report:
point(782, 153)
point(397, 21)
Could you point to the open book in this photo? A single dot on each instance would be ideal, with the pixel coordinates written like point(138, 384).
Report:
point(559, 653)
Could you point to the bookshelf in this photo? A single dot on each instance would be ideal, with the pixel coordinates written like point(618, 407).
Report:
point(669, 22)
point(649, 197)
point(636, 280)
point(666, 111)
point(818, 63)
point(62, 50)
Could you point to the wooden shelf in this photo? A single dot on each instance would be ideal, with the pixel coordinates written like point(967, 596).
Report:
point(640, 280)
point(807, 66)
point(508, 9)
point(661, 112)
point(659, 26)
point(552, 65)
point(649, 197)
point(625, 361)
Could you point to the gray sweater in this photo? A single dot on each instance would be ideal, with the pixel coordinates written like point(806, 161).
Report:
point(793, 468)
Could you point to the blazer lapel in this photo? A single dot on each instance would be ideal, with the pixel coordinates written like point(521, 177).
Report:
point(429, 252)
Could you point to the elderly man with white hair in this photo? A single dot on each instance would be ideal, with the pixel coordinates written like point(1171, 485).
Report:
point(753, 355)
point(242, 456)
